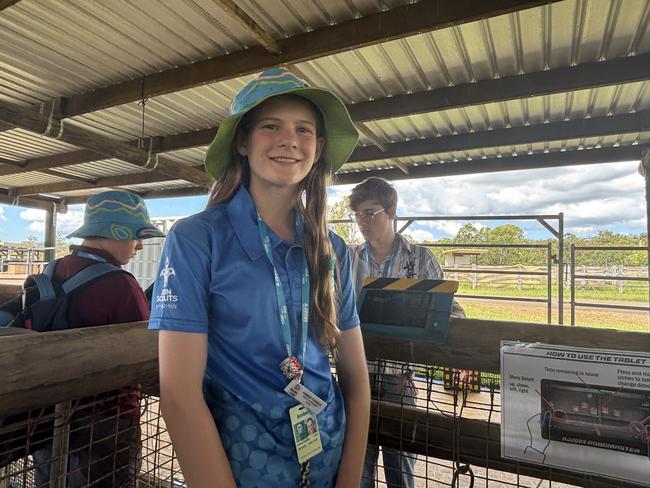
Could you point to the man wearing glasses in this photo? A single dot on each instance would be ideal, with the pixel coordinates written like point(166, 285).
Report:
point(384, 253)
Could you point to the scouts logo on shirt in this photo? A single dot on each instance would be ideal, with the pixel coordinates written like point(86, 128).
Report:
point(167, 298)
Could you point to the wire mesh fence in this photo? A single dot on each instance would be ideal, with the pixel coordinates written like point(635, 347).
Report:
point(435, 427)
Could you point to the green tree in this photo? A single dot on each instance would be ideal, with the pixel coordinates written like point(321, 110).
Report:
point(348, 231)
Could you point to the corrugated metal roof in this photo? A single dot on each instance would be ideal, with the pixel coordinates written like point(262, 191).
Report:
point(52, 49)
point(475, 51)
point(585, 143)
point(19, 144)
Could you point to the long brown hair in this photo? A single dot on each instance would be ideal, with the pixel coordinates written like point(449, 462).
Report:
point(311, 202)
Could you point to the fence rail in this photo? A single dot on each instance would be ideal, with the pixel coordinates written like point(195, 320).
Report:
point(41, 369)
point(644, 277)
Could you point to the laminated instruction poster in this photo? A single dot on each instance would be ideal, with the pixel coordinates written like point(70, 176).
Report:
point(581, 409)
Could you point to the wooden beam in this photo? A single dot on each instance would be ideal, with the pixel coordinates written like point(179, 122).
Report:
point(34, 121)
point(554, 131)
point(590, 75)
point(9, 198)
point(169, 193)
point(569, 78)
point(363, 128)
point(7, 3)
point(437, 169)
point(492, 165)
point(402, 21)
point(53, 161)
point(475, 344)
point(111, 355)
point(249, 25)
point(463, 439)
point(614, 124)
point(401, 166)
point(118, 355)
point(105, 182)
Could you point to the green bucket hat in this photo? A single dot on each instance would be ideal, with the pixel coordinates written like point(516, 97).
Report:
point(340, 133)
point(120, 215)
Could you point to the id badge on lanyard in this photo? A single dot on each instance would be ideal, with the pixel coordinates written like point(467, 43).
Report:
point(303, 416)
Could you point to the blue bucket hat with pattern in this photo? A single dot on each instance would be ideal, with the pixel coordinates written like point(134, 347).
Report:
point(340, 133)
point(120, 215)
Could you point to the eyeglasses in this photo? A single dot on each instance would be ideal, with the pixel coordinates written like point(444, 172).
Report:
point(365, 216)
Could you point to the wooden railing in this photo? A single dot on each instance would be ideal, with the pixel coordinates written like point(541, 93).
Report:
point(40, 369)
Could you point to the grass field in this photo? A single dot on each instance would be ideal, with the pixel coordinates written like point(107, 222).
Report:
point(534, 312)
point(633, 292)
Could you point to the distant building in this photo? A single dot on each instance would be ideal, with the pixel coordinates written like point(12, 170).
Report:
point(462, 257)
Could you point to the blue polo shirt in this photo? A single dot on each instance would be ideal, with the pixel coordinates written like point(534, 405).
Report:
point(215, 279)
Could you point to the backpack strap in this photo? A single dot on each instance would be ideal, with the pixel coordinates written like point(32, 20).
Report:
point(6, 318)
point(89, 274)
point(88, 255)
point(44, 281)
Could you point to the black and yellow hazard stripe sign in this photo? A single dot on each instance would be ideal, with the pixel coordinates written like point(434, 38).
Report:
point(411, 284)
point(410, 308)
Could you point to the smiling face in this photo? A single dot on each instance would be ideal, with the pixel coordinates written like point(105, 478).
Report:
point(282, 144)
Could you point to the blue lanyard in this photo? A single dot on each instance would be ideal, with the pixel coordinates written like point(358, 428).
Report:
point(84, 254)
point(279, 292)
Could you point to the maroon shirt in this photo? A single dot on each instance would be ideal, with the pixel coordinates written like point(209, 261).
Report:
point(112, 299)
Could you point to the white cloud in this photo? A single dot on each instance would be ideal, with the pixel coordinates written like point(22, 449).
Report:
point(36, 219)
point(419, 235)
point(65, 223)
point(592, 198)
point(2, 214)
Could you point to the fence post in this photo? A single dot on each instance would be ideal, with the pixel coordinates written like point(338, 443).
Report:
point(519, 281)
point(474, 276)
point(573, 284)
point(549, 283)
point(621, 283)
point(60, 445)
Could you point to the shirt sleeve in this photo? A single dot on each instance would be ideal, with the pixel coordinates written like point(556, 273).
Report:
point(180, 299)
point(434, 272)
point(131, 304)
point(347, 311)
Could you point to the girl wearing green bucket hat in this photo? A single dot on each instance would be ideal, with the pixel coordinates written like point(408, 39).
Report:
point(254, 294)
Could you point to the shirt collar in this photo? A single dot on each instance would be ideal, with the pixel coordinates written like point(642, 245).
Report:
point(243, 217)
point(399, 242)
point(98, 252)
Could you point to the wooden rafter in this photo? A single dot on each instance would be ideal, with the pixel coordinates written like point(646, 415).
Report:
point(37, 122)
point(554, 131)
point(7, 3)
point(44, 203)
point(597, 126)
point(535, 84)
point(510, 163)
point(406, 20)
point(249, 25)
point(591, 75)
point(105, 182)
point(168, 193)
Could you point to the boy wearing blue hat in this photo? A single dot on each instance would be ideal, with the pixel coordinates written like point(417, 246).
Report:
point(115, 223)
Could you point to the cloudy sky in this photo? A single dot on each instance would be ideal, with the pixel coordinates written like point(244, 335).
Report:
point(593, 198)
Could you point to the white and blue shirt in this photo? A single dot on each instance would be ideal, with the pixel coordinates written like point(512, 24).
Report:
point(216, 279)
